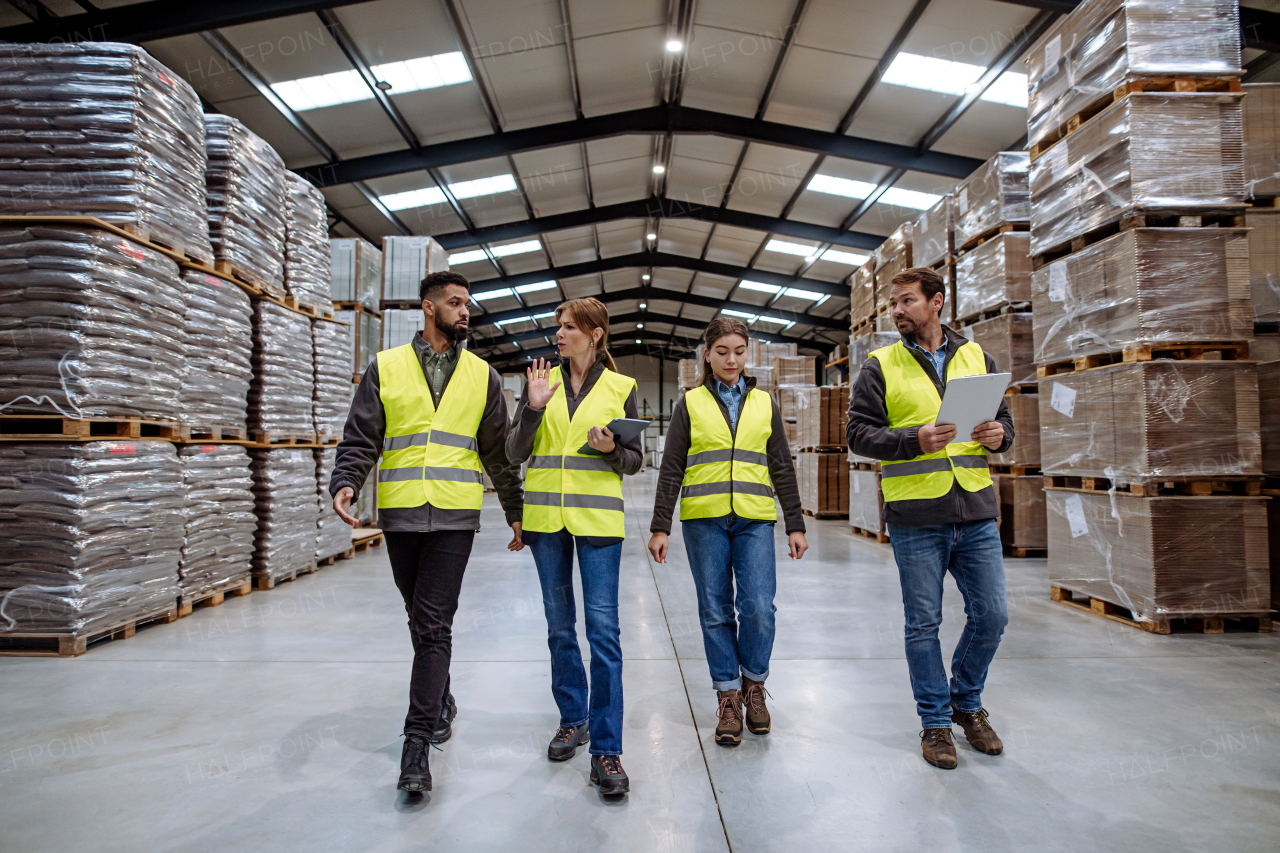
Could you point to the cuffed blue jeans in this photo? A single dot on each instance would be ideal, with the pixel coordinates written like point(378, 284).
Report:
point(737, 628)
point(971, 552)
point(553, 555)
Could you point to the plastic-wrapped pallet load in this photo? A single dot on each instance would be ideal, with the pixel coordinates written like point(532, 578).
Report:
point(764, 378)
point(823, 479)
point(932, 233)
point(218, 346)
point(862, 299)
point(364, 337)
point(793, 370)
point(1148, 421)
point(1103, 44)
point(1025, 452)
point(1269, 415)
point(356, 270)
point(91, 534)
point(688, 373)
point(102, 129)
point(892, 257)
point(333, 536)
point(865, 501)
point(1023, 523)
point(1262, 139)
point(1141, 286)
point(994, 195)
point(247, 202)
point(280, 396)
point(399, 326)
point(217, 542)
point(406, 261)
point(333, 389)
point(1264, 263)
point(1161, 557)
point(92, 325)
point(861, 347)
point(1149, 151)
point(996, 273)
point(306, 248)
point(1009, 340)
point(287, 507)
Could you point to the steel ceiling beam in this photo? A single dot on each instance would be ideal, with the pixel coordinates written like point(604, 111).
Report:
point(512, 359)
point(640, 317)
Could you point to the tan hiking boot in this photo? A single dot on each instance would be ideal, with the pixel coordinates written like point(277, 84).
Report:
point(978, 731)
point(757, 714)
point(729, 714)
point(939, 748)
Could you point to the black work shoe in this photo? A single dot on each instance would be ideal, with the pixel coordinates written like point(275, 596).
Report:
point(566, 742)
point(607, 772)
point(444, 726)
point(415, 775)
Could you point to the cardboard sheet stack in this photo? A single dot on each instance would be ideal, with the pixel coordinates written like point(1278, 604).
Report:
point(356, 272)
point(1262, 182)
point(247, 203)
point(760, 356)
point(823, 479)
point(218, 345)
point(219, 522)
point(287, 506)
point(399, 325)
point(307, 252)
point(688, 373)
point(933, 246)
point(862, 297)
point(865, 499)
point(1269, 417)
point(331, 401)
point(280, 396)
point(91, 533)
point(102, 129)
point(406, 261)
point(821, 415)
point(891, 257)
point(92, 325)
point(333, 536)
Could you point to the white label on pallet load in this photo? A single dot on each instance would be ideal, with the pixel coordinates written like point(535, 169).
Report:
point(1052, 55)
point(1063, 400)
point(1058, 282)
point(1075, 516)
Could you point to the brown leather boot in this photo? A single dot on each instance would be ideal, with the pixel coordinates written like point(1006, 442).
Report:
point(757, 714)
point(729, 714)
point(939, 748)
point(978, 731)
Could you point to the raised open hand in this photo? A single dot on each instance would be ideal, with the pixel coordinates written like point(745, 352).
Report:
point(539, 375)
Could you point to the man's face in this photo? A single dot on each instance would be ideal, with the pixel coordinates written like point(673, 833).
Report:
point(449, 311)
point(912, 313)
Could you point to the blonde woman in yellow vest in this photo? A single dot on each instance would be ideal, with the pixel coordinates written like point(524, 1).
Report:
point(726, 456)
point(573, 502)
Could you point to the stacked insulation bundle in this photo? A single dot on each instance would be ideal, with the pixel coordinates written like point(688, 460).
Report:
point(399, 326)
point(91, 534)
point(406, 261)
point(331, 346)
point(283, 376)
point(307, 253)
point(217, 541)
point(287, 506)
point(364, 337)
point(333, 536)
point(247, 203)
point(91, 325)
point(218, 345)
point(102, 129)
point(356, 272)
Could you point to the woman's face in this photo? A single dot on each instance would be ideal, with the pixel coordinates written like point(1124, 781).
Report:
point(572, 340)
point(727, 356)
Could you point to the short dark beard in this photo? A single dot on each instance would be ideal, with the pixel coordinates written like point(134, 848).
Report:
point(453, 333)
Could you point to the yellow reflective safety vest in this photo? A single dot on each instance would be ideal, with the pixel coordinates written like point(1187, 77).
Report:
point(430, 455)
point(567, 489)
point(728, 472)
point(912, 400)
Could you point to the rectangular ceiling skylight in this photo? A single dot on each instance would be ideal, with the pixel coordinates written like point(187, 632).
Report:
point(500, 252)
point(808, 252)
point(462, 189)
point(857, 189)
point(801, 294)
point(954, 78)
point(751, 318)
point(536, 286)
point(493, 294)
point(849, 258)
point(760, 286)
point(743, 314)
point(345, 87)
point(789, 248)
point(512, 320)
point(899, 197)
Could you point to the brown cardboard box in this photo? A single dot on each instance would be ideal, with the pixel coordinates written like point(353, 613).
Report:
point(821, 415)
point(892, 257)
point(1022, 513)
point(823, 479)
point(862, 299)
point(688, 373)
point(995, 194)
point(1025, 410)
point(793, 370)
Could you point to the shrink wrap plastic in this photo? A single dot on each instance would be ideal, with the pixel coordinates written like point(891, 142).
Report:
point(218, 345)
point(1022, 513)
point(1009, 340)
point(217, 542)
point(333, 389)
point(1025, 411)
point(861, 347)
point(306, 243)
point(1144, 286)
point(287, 507)
point(1152, 420)
point(764, 378)
point(364, 337)
point(365, 504)
point(399, 326)
point(996, 273)
point(247, 202)
point(406, 261)
point(1265, 348)
point(892, 257)
point(932, 234)
point(102, 129)
point(1162, 557)
point(1264, 263)
point(91, 533)
point(793, 370)
point(283, 375)
point(1262, 139)
point(356, 270)
point(333, 536)
point(994, 195)
point(864, 500)
point(1148, 151)
point(91, 325)
point(1269, 416)
point(862, 299)
point(1105, 43)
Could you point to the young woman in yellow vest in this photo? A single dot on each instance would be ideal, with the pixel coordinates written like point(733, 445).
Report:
point(573, 501)
point(726, 455)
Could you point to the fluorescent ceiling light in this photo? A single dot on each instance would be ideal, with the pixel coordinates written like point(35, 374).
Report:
point(536, 286)
point(955, 78)
point(651, 236)
point(659, 169)
point(840, 186)
point(899, 197)
point(789, 248)
point(467, 257)
point(786, 324)
point(463, 189)
point(512, 320)
point(674, 45)
point(645, 277)
point(639, 325)
point(732, 313)
point(760, 286)
point(801, 294)
point(345, 87)
point(493, 294)
point(844, 258)
point(546, 314)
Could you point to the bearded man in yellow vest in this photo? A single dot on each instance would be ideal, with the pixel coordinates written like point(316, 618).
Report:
point(940, 507)
point(436, 416)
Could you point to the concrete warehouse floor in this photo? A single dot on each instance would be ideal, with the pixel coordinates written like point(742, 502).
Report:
point(272, 723)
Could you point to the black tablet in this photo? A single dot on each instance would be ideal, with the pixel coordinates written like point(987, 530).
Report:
point(623, 429)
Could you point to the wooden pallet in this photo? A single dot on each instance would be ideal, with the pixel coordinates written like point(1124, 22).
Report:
point(364, 538)
point(210, 434)
point(1016, 470)
point(1253, 622)
point(333, 558)
point(354, 305)
point(1023, 552)
point(54, 645)
point(978, 239)
point(1266, 328)
point(864, 466)
point(262, 438)
point(1178, 486)
point(1228, 351)
point(992, 313)
point(870, 534)
point(823, 514)
point(1149, 84)
point(213, 597)
point(270, 582)
point(946, 261)
point(867, 323)
point(403, 304)
point(318, 311)
point(822, 448)
point(56, 428)
point(1208, 216)
point(242, 276)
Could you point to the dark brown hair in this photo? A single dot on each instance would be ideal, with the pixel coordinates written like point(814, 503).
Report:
point(439, 281)
point(930, 282)
point(717, 329)
point(590, 314)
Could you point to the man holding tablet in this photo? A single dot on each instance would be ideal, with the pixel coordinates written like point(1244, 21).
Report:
point(940, 506)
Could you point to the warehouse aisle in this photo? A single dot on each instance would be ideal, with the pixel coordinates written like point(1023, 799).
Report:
point(270, 723)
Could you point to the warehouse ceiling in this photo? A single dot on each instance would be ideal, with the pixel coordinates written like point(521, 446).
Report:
point(675, 158)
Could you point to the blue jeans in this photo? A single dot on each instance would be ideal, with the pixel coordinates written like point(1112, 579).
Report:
point(971, 552)
point(721, 551)
point(553, 555)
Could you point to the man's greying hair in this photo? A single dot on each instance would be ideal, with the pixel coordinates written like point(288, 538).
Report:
point(437, 281)
point(930, 282)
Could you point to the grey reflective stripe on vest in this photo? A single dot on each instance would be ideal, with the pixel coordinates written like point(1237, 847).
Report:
point(918, 466)
point(702, 490)
point(458, 475)
point(542, 498)
point(588, 463)
point(708, 456)
point(751, 457)
point(544, 461)
point(752, 489)
point(592, 502)
point(978, 460)
point(452, 439)
point(400, 442)
point(435, 436)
